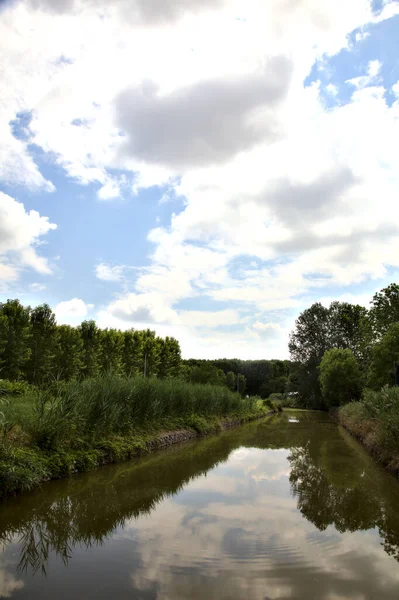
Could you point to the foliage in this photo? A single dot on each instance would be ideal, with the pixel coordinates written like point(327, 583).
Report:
point(375, 420)
point(90, 335)
point(383, 356)
point(384, 309)
point(111, 350)
point(13, 388)
point(68, 358)
point(16, 332)
point(340, 377)
point(207, 374)
point(262, 376)
point(231, 380)
point(43, 343)
point(74, 428)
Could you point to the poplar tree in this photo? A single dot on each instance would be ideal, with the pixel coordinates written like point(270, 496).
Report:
point(15, 333)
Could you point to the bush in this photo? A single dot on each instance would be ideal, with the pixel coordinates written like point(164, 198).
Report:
point(13, 388)
point(383, 406)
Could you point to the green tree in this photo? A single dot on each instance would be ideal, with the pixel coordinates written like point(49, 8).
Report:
point(207, 373)
point(111, 351)
point(348, 327)
point(43, 343)
point(241, 383)
point(3, 339)
point(384, 309)
point(132, 355)
point(151, 350)
point(90, 335)
point(169, 357)
point(384, 354)
point(307, 344)
point(340, 377)
point(68, 359)
point(231, 380)
point(16, 333)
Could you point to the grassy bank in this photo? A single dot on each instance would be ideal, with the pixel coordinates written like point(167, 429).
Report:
point(375, 422)
point(78, 426)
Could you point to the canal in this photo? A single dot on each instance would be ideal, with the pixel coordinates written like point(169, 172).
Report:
point(290, 507)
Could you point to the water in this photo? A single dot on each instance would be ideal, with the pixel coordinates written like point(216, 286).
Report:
point(287, 508)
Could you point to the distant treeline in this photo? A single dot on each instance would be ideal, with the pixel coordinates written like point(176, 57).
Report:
point(341, 350)
point(35, 349)
point(255, 377)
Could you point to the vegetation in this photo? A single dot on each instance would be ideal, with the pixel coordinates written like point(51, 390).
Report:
point(35, 349)
point(340, 377)
point(370, 336)
point(375, 421)
point(253, 377)
point(74, 426)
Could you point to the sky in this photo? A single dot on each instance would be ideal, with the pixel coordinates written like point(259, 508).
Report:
point(205, 168)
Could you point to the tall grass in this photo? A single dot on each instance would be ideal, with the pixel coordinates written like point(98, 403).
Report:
point(111, 404)
point(375, 420)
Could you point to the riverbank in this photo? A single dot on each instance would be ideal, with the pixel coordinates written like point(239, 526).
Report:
point(374, 423)
point(107, 420)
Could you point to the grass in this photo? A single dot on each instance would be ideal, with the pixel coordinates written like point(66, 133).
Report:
point(375, 422)
point(77, 426)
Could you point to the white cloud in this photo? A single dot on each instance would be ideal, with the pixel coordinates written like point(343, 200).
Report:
point(72, 312)
point(373, 71)
point(203, 318)
point(361, 35)
point(20, 233)
point(142, 309)
point(37, 287)
point(108, 272)
point(265, 169)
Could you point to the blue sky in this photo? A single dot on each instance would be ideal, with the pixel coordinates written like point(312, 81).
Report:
point(206, 169)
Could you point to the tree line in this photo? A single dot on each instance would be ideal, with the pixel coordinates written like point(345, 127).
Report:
point(33, 347)
point(255, 377)
point(340, 350)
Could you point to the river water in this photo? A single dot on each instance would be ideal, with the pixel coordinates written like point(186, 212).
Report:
point(286, 508)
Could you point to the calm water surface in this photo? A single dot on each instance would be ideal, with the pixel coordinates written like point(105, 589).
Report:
point(287, 508)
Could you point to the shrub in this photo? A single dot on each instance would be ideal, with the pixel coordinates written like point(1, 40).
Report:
point(13, 388)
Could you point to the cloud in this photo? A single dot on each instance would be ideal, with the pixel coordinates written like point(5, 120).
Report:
point(205, 123)
point(296, 203)
point(142, 308)
point(109, 273)
point(20, 232)
point(149, 12)
point(72, 312)
point(37, 287)
point(203, 318)
point(373, 72)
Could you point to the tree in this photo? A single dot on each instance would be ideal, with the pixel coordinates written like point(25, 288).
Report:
point(3, 339)
point(16, 332)
point(68, 359)
point(207, 373)
point(340, 377)
point(90, 335)
point(43, 343)
point(384, 354)
point(151, 349)
point(132, 354)
point(111, 351)
point(348, 327)
point(307, 344)
point(241, 383)
point(384, 309)
point(169, 357)
point(231, 380)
